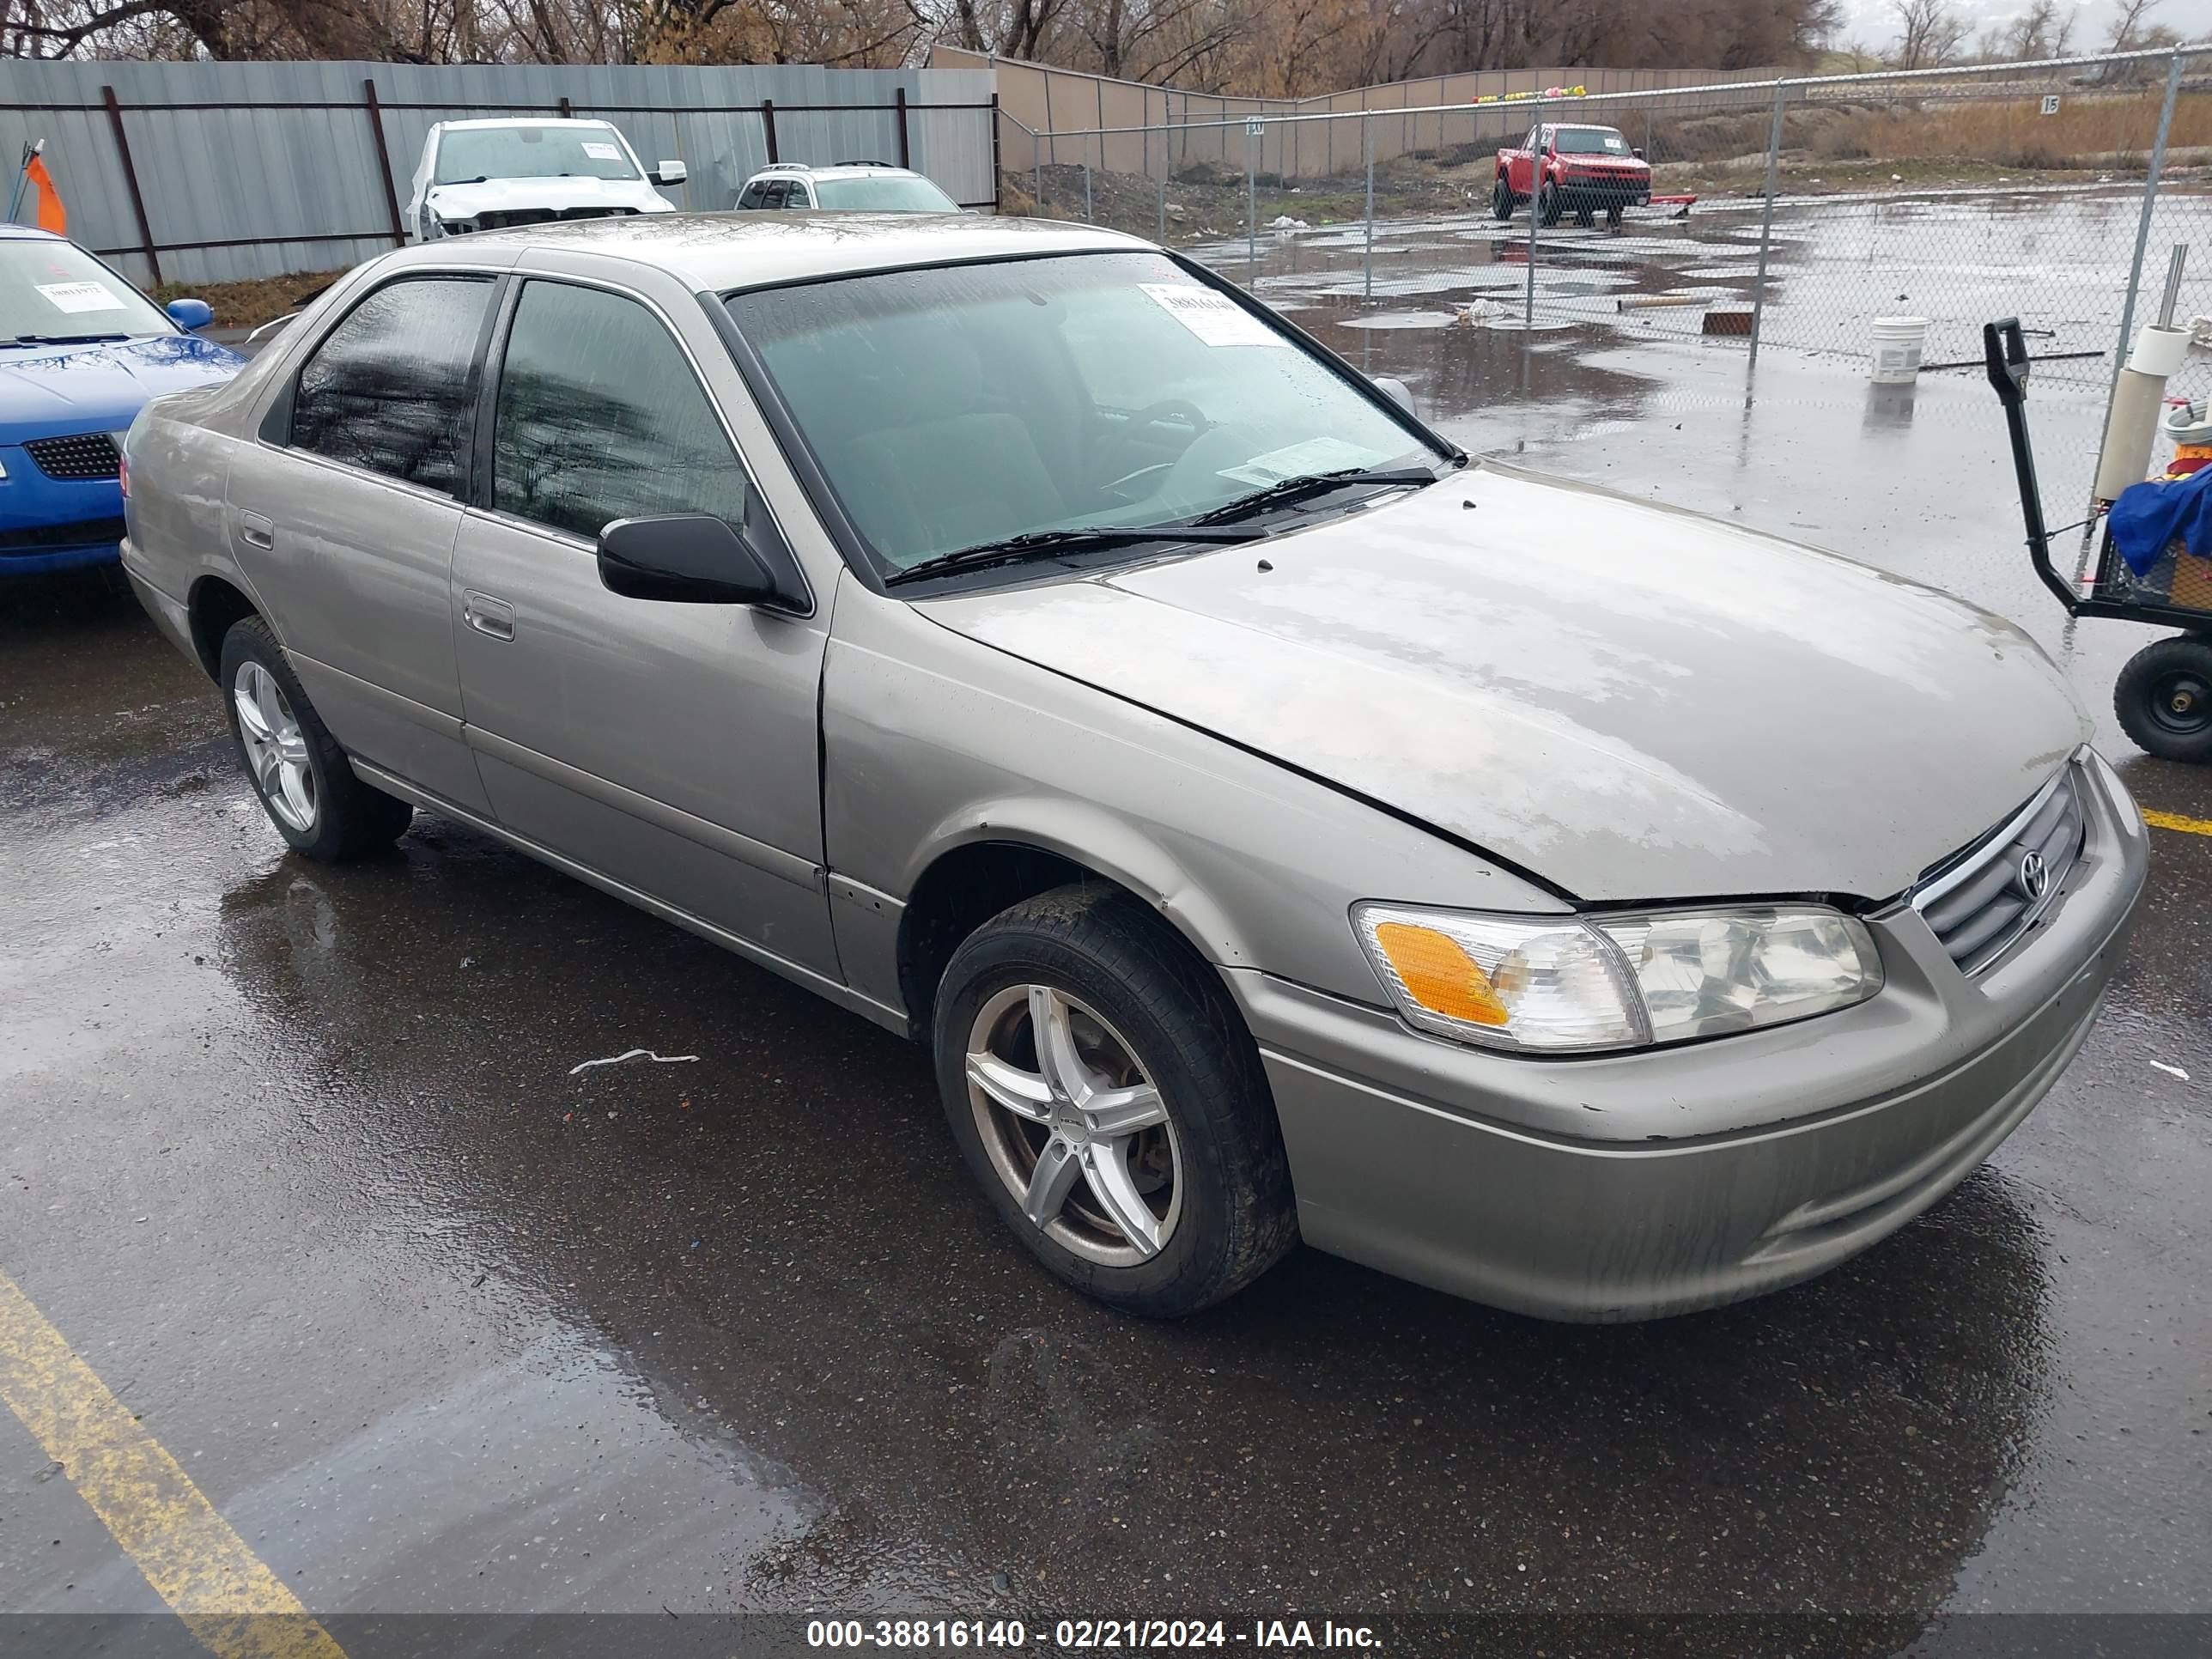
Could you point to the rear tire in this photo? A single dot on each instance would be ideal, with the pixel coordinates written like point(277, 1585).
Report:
point(295, 766)
point(1501, 200)
point(1196, 1162)
point(2163, 699)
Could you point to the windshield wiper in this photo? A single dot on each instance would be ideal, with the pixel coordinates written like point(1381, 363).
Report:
point(1286, 491)
point(1038, 543)
point(64, 339)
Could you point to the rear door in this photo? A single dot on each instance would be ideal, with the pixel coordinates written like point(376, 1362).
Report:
point(343, 516)
point(672, 747)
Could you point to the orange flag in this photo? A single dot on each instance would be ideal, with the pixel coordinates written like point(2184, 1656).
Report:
point(51, 215)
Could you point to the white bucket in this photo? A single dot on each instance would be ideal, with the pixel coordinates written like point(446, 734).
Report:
point(1898, 343)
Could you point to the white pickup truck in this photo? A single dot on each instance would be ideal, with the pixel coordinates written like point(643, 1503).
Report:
point(482, 175)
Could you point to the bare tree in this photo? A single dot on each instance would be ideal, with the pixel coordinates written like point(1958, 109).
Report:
point(2130, 23)
point(1930, 33)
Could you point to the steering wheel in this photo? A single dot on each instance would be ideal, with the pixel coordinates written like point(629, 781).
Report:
point(1179, 409)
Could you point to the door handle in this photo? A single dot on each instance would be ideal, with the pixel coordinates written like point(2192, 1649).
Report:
point(492, 618)
point(256, 531)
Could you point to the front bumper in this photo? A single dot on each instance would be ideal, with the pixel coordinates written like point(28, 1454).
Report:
point(55, 524)
point(1601, 195)
point(1631, 1186)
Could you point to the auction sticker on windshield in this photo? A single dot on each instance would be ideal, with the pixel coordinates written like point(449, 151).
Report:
point(602, 152)
point(1214, 317)
point(80, 296)
point(1299, 460)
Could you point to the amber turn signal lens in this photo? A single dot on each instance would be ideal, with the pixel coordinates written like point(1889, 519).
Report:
point(1439, 974)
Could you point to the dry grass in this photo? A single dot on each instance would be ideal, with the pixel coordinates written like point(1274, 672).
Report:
point(2100, 130)
point(2086, 132)
point(250, 304)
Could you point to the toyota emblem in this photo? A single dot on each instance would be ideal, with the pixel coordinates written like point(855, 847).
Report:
point(2034, 875)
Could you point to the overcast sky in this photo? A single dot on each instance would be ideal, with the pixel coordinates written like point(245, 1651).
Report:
point(1874, 23)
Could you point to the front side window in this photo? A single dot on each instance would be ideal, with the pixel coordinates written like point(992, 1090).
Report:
point(470, 155)
point(389, 388)
point(962, 404)
point(53, 291)
point(599, 416)
point(888, 193)
point(754, 194)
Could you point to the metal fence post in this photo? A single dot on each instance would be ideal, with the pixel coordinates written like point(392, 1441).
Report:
point(130, 177)
point(1535, 212)
point(1251, 209)
point(998, 172)
point(1037, 160)
point(1367, 157)
point(384, 162)
point(905, 144)
point(1766, 224)
point(1088, 217)
point(2143, 229)
point(767, 127)
point(1163, 191)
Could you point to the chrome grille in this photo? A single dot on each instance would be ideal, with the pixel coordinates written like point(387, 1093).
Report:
point(1979, 901)
point(85, 455)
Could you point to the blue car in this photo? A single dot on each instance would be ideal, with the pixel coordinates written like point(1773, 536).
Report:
point(80, 352)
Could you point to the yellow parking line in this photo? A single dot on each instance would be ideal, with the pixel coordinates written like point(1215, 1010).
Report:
point(227, 1595)
point(2175, 821)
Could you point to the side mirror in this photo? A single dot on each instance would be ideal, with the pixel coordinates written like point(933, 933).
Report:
point(1636, 150)
point(1397, 391)
point(189, 314)
point(688, 558)
point(670, 172)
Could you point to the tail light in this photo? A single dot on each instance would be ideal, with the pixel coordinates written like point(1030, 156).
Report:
point(123, 473)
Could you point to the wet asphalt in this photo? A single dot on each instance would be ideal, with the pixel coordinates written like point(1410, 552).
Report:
point(296, 1158)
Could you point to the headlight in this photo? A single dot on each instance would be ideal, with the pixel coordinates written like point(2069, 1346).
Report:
point(1570, 984)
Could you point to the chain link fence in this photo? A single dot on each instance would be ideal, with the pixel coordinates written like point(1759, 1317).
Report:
point(1800, 215)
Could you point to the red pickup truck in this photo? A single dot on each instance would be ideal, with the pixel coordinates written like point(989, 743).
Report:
point(1587, 170)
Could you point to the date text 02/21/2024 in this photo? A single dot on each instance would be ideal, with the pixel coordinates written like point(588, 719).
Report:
point(1084, 1634)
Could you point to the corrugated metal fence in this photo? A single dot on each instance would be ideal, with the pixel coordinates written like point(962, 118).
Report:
point(215, 172)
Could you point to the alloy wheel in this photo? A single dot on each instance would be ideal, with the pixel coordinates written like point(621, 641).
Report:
point(1073, 1125)
point(276, 748)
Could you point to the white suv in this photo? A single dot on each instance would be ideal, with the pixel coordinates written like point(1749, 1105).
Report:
point(848, 187)
point(488, 175)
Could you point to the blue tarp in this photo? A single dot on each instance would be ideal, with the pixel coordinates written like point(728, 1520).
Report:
point(2147, 516)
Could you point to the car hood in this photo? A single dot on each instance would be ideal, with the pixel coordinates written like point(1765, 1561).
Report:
point(1628, 701)
point(80, 388)
point(521, 194)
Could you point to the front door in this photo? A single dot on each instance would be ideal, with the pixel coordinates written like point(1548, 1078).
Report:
point(672, 747)
point(345, 518)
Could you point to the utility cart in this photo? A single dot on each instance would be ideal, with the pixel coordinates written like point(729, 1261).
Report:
point(2164, 695)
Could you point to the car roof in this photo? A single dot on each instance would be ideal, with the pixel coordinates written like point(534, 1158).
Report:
point(521, 121)
point(718, 251)
point(30, 232)
point(840, 170)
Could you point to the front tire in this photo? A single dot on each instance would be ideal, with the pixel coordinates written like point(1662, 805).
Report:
point(1549, 206)
point(1501, 200)
point(1108, 1096)
point(2163, 699)
point(294, 765)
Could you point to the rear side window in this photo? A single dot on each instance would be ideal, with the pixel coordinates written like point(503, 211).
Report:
point(753, 194)
point(599, 416)
point(388, 389)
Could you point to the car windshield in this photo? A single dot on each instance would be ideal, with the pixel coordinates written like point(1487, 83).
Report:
point(883, 193)
point(964, 404)
point(1591, 141)
point(526, 152)
point(56, 290)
